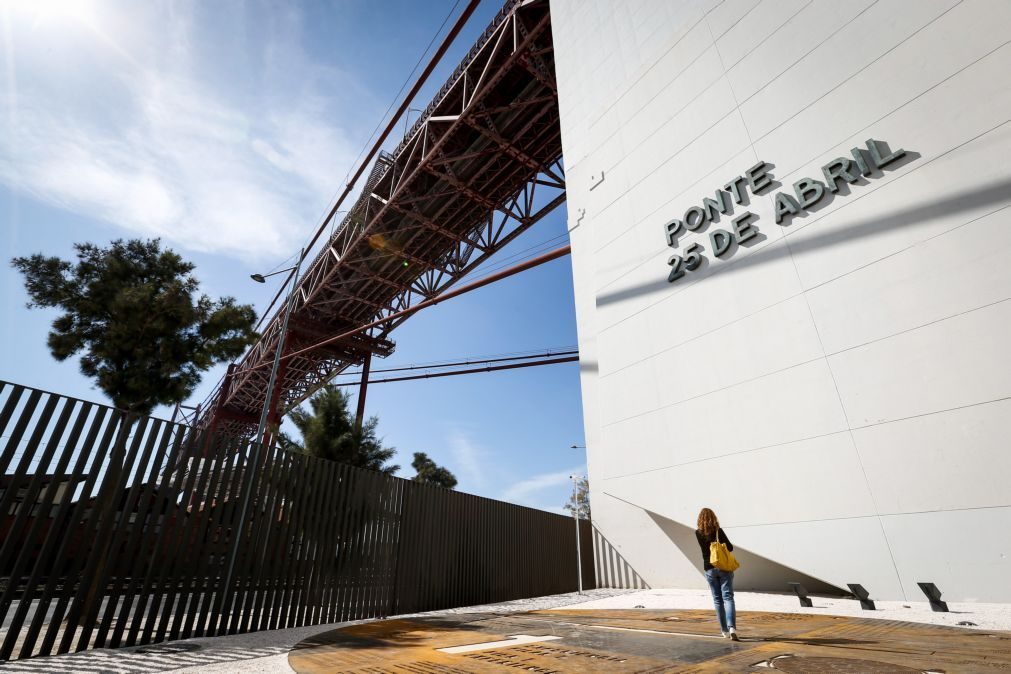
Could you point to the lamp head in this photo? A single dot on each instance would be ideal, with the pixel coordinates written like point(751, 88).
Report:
point(258, 278)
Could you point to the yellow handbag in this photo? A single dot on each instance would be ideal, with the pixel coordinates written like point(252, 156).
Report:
point(720, 557)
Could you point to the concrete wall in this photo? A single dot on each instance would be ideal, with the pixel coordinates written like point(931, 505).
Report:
point(837, 388)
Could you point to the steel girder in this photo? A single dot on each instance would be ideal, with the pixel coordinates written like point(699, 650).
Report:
point(479, 167)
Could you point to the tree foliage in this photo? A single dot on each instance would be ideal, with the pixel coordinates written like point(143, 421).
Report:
point(328, 432)
point(133, 313)
point(428, 472)
point(579, 501)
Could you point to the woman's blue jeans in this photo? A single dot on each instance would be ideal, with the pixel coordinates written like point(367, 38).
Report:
point(721, 584)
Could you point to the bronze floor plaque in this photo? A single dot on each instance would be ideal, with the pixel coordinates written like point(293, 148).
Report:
point(650, 642)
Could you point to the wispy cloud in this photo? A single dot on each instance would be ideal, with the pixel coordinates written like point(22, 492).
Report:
point(471, 460)
point(151, 143)
point(524, 490)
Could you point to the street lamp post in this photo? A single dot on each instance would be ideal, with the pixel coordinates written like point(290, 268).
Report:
point(579, 552)
point(575, 518)
point(268, 395)
point(261, 427)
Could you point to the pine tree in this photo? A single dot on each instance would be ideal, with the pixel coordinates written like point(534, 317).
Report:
point(428, 472)
point(329, 432)
point(132, 311)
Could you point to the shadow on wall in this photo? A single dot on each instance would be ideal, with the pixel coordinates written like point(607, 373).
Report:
point(757, 573)
point(612, 569)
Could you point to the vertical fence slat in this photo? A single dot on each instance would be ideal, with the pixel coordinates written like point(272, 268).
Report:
point(312, 595)
point(139, 548)
point(429, 589)
point(123, 526)
point(20, 426)
point(327, 546)
point(392, 548)
point(167, 513)
point(397, 582)
point(38, 530)
point(259, 530)
point(18, 478)
point(234, 456)
point(266, 536)
point(25, 547)
point(402, 586)
point(296, 567)
point(353, 545)
point(338, 572)
point(177, 572)
point(289, 537)
point(110, 503)
point(83, 520)
point(342, 559)
point(212, 502)
point(163, 588)
point(328, 556)
point(14, 541)
point(55, 545)
point(310, 526)
point(280, 612)
point(221, 526)
point(280, 525)
point(369, 534)
point(7, 413)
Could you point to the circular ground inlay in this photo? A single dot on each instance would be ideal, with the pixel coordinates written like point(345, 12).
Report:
point(645, 640)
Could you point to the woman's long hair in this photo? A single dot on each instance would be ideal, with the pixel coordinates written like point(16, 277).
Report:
point(708, 524)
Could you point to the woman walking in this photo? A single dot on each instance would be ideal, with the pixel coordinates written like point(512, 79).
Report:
point(721, 583)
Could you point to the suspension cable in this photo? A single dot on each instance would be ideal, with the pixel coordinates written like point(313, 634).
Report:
point(490, 368)
point(470, 361)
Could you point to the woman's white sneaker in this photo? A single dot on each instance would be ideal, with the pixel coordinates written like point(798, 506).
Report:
point(733, 634)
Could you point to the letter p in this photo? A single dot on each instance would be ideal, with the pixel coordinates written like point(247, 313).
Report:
point(671, 230)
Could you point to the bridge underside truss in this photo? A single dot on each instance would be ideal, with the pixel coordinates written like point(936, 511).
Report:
point(480, 166)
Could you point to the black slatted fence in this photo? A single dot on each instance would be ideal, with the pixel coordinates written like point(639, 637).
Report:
point(119, 531)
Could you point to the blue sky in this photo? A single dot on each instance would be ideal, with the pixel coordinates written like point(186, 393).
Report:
point(226, 129)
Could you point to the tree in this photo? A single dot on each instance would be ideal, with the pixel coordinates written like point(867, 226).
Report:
point(579, 501)
point(428, 472)
point(133, 313)
point(329, 432)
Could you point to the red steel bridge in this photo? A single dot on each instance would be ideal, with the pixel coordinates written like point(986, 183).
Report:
point(479, 167)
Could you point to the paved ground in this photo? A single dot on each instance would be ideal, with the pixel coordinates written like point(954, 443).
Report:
point(649, 641)
point(599, 631)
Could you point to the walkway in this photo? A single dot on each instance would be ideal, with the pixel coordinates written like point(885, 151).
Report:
point(577, 640)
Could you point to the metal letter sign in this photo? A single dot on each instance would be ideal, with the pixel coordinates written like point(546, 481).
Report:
point(805, 194)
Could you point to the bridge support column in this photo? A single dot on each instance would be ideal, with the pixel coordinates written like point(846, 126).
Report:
point(362, 389)
point(273, 428)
